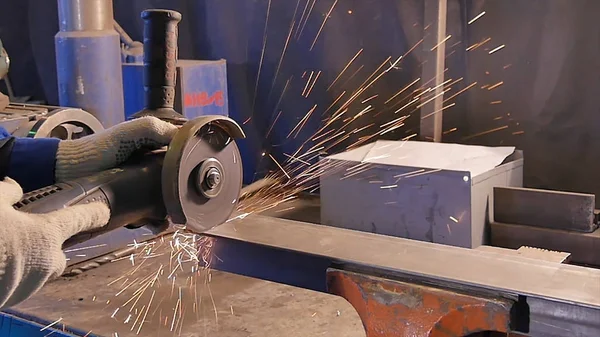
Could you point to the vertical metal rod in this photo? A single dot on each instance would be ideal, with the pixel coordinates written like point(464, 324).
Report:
point(435, 47)
point(85, 15)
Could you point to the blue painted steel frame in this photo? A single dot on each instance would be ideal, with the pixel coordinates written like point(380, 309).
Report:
point(17, 324)
point(271, 264)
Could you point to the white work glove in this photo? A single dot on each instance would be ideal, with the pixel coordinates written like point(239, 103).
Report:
point(111, 147)
point(31, 244)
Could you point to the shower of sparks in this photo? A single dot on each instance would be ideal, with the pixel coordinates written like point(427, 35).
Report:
point(273, 124)
point(305, 18)
point(402, 90)
point(323, 24)
point(279, 165)
point(460, 92)
point(496, 49)
point(188, 258)
point(347, 123)
point(442, 42)
point(495, 85)
point(84, 248)
point(352, 76)
point(439, 110)
point(313, 84)
point(479, 44)
point(51, 324)
point(486, 132)
point(368, 99)
point(345, 68)
point(287, 41)
point(307, 83)
point(302, 17)
point(476, 17)
point(262, 55)
point(450, 131)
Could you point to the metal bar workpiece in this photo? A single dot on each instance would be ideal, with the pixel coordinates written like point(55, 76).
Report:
point(299, 253)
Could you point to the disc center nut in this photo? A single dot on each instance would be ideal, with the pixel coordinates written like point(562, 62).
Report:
point(210, 177)
point(213, 178)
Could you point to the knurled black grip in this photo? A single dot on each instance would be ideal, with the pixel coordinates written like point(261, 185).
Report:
point(160, 57)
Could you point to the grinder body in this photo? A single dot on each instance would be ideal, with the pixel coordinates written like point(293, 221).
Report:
point(149, 187)
point(131, 191)
point(152, 186)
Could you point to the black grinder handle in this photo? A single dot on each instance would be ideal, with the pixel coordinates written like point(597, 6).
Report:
point(160, 57)
point(160, 64)
point(133, 193)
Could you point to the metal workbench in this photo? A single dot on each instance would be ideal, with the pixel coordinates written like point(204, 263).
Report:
point(559, 297)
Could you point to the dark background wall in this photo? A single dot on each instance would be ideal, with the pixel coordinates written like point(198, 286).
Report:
point(547, 105)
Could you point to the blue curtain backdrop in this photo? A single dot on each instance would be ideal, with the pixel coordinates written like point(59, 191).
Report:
point(546, 102)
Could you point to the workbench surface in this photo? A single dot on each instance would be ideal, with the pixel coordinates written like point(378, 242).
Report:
point(244, 306)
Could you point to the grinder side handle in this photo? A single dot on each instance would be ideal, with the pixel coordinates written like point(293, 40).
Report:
point(160, 65)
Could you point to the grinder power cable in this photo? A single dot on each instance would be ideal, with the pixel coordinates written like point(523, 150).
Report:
point(195, 182)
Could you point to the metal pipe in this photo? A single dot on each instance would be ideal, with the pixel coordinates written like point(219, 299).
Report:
point(85, 15)
point(125, 38)
point(88, 59)
point(435, 49)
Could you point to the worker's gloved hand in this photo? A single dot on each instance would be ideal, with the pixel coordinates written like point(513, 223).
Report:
point(31, 244)
point(107, 149)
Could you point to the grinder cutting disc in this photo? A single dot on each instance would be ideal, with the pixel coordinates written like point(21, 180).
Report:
point(202, 173)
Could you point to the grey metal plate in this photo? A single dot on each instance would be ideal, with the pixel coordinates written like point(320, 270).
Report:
point(529, 253)
point(429, 205)
point(544, 208)
point(584, 247)
point(557, 282)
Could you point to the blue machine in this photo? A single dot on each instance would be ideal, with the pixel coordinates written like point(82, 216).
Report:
point(201, 88)
point(88, 60)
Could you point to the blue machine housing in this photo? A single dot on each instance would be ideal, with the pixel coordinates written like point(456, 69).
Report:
point(88, 67)
point(201, 88)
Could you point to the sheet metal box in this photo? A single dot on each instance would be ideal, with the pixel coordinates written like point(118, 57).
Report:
point(201, 88)
point(426, 203)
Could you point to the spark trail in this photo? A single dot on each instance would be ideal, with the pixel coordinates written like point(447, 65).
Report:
point(180, 261)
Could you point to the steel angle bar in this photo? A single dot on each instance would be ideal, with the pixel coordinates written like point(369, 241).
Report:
point(298, 254)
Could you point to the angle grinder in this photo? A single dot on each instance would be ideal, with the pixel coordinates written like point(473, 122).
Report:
point(196, 181)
